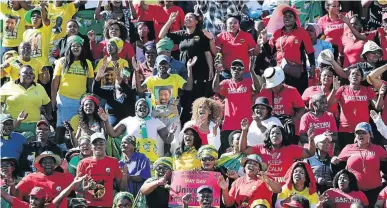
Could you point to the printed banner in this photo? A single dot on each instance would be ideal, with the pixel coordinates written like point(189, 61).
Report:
point(184, 182)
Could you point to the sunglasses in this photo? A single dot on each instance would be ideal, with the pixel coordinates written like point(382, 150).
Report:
point(208, 159)
point(237, 68)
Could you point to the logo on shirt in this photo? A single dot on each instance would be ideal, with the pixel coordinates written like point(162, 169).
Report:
point(296, 41)
point(98, 190)
point(277, 100)
point(196, 38)
point(58, 188)
point(242, 40)
point(322, 125)
point(242, 89)
point(108, 170)
point(355, 98)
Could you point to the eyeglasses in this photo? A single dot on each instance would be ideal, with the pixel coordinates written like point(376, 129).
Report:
point(208, 159)
point(237, 68)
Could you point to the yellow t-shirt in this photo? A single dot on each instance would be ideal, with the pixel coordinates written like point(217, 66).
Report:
point(186, 161)
point(121, 63)
point(39, 40)
point(21, 99)
point(164, 87)
point(14, 67)
point(13, 25)
point(73, 83)
point(59, 16)
point(313, 199)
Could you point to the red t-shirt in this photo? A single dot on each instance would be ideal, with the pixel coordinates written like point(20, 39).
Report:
point(384, 112)
point(333, 30)
point(202, 135)
point(237, 103)
point(278, 160)
point(364, 164)
point(354, 106)
point(237, 47)
point(103, 172)
point(285, 102)
point(155, 13)
point(344, 200)
point(19, 203)
point(383, 196)
point(126, 53)
point(352, 50)
point(288, 45)
point(245, 193)
point(313, 90)
point(52, 184)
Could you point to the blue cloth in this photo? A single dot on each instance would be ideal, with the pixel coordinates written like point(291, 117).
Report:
point(12, 147)
point(67, 109)
point(138, 165)
point(177, 67)
point(320, 46)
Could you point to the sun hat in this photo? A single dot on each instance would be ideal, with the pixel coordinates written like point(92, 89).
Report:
point(28, 15)
point(370, 46)
point(273, 76)
point(119, 43)
point(14, 162)
point(262, 101)
point(45, 154)
point(364, 126)
point(255, 158)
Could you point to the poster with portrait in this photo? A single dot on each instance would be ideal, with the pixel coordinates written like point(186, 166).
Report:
point(163, 95)
point(35, 39)
point(11, 26)
point(184, 182)
point(109, 78)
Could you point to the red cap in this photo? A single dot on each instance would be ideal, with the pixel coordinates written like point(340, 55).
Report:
point(42, 122)
point(293, 204)
point(384, 16)
point(38, 192)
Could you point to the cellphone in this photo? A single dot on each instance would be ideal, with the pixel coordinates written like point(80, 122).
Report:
point(69, 125)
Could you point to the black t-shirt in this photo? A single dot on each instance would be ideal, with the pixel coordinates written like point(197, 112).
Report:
point(158, 198)
point(375, 12)
point(191, 45)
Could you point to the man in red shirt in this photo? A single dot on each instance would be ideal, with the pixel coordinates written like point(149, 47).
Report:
point(47, 178)
point(238, 93)
point(103, 171)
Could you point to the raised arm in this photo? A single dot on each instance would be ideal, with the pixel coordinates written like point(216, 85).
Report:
point(356, 33)
point(113, 132)
point(216, 81)
point(132, 9)
point(257, 80)
point(44, 6)
point(243, 140)
point(312, 146)
point(97, 13)
point(332, 96)
point(374, 76)
point(172, 18)
point(63, 194)
point(188, 86)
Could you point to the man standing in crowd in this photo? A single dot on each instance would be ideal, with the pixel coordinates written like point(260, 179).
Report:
point(11, 142)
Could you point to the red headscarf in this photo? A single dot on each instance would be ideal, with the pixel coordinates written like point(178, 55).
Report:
point(276, 21)
point(289, 176)
point(90, 97)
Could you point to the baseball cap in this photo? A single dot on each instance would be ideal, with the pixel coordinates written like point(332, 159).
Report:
point(363, 126)
point(161, 58)
point(28, 15)
point(42, 122)
point(5, 117)
point(202, 188)
point(96, 136)
point(237, 62)
point(38, 192)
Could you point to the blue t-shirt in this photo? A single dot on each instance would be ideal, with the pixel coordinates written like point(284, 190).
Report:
point(13, 146)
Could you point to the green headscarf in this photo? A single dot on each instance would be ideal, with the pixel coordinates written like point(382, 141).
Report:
point(74, 39)
point(164, 44)
point(207, 150)
point(122, 195)
point(144, 132)
point(168, 161)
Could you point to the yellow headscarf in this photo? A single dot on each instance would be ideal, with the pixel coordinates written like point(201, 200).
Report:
point(168, 161)
point(207, 150)
point(119, 43)
point(260, 202)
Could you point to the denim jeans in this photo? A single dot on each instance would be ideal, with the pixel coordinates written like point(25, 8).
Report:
point(67, 108)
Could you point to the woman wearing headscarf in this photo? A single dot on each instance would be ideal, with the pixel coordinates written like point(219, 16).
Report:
point(232, 160)
point(364, 160)
point(346, 189)
point(192, 42)
point(299, 180)
point(291, 42)
point(75, 155)
point(138, 164)
point(185, 157)
point(148, 130)
point(155, 190)
point(123, 200)
point(254, 185)
point(321, 163)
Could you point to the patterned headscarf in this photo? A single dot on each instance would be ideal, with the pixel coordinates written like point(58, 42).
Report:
point(74, 39)
point(119, 43)
point(207, 150)
point(168, 161)
point(122, 195)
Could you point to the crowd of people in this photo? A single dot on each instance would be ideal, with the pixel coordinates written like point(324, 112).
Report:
point(284, 100)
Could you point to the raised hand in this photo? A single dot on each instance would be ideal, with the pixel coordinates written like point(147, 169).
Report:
point(208, 34)
point(335, 160)
point(43, 4)
point(217, 123)
point(22, 116)
point(223, 184)
point(186, 198)
point(91, 35)
point(344, 18)
point(173, 16)
point(78, 179)
point(326, 57)
point(102, 114)
point(117, 72)
point(374, 115)
point(311, 132)
point(192, 62)
point(135, 65)
point(200, 121)
point(245, 124)
point(232, 174)
point(336, 83)
point(173, 128)
point(101, 71)
point(263, 176)
point(68, 126)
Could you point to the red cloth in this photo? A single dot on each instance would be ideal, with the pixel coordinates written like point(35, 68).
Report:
point(52, 184)
point(20, 204)
point(237, 103)
point(155, 13)
point(364, 164)
point(383, 196)
point(285, 102)
point(245, 192)
point(333, 30)
point(278, 160)
point(237, 47)
point(99, 51)
point(289, 176)
point(103, 172)
point(326, 122)
point(354, 106)
point(291, 43)
point(202, 135)
point(352, 50)
point(313, 90)
point(344, 200)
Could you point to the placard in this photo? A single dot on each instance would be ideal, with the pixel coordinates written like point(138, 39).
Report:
point(184, 182)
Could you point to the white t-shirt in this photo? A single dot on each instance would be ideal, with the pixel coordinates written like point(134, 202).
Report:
point(132, 125)
point(255, 136)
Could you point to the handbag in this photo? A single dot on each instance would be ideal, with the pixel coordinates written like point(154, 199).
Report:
point(290, 68)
